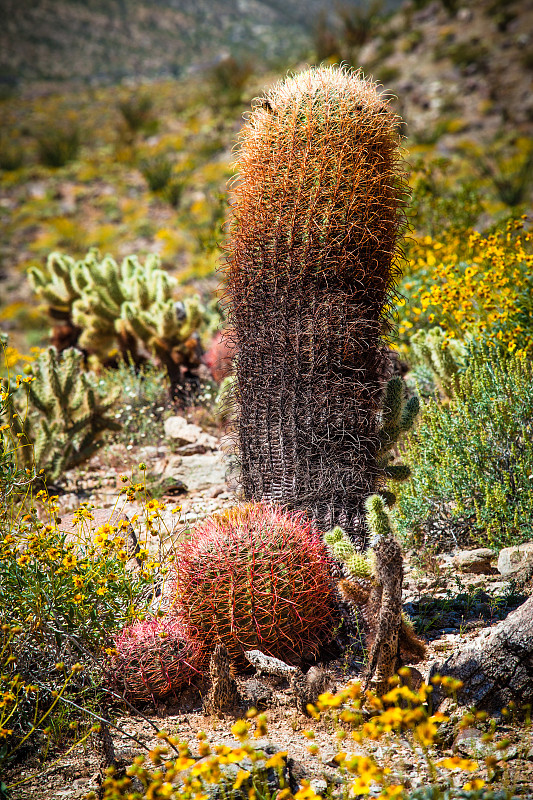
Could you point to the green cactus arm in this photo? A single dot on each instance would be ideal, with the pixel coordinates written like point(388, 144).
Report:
point(72, 365)
point(334, 535)
point(39, 398)
point(137, 322)
point(37, 278)
point(409, 414)
point(359, 565)
point(376, 517)
point(398, 472)
point(53, 297)
point(167, 326)
point(100, 306)
point(392, 403)
point(342, 549)
point(129, 268)
point(141, 294)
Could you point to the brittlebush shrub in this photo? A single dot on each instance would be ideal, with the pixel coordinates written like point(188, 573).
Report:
point(472, 456)
point(472, 286)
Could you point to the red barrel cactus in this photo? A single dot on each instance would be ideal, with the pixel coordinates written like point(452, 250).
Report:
point(257, 577)
point(154, 658)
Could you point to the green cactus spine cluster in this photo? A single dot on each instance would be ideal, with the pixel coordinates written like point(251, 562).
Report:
point(60, 419)
point(397, 417)
point(358, 564)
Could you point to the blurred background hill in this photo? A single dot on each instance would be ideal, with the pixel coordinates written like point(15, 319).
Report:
point(102, 41)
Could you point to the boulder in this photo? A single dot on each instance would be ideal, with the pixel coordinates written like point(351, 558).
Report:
point(514, 560)
point(476, 561)
point(496, 667)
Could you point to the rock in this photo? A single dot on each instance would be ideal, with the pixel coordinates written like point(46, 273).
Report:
point(201, 471)
point(476, 561)
point(469, 743)
point(182, 431)
point(513, 560)
point(496, 667)
point(189, 438)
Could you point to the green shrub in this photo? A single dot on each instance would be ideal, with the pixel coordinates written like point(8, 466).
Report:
point(157, 172)
point(137, 114)
point(56, 146)
point(472, 457)
point(11, 155)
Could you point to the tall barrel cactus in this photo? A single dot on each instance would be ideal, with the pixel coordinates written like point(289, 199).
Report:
point(317, 209)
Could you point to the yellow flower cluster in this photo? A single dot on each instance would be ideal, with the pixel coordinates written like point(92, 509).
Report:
point(477, 286)
point(401, 711)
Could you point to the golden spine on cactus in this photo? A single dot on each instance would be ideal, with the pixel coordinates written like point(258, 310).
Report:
point(317, 208)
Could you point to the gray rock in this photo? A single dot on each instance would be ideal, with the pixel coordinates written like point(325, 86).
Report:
point(513, 560)
point(201, 471)
point(476, 561)
point(188, 435)
point(469, 742)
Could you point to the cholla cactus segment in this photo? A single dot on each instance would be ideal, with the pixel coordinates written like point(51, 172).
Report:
point(397, 417)
point(358, 564)
point(377, 518)
point(60, 284)
point(335, 535)
point(153, 659)
point(58, 417)
point(265, 584)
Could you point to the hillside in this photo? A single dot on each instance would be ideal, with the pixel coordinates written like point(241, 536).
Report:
point(107, 40)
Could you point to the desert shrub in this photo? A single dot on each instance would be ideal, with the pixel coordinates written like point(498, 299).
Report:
point(157, 171)
point(137, 114)
point(228, 78)
point(56, 146)
point(143, 402)
point(441, 199)
point(508, 168)
point(472, 457)
point(11, 155)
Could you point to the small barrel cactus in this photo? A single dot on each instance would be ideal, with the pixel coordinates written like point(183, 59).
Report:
point(257, 577)
point(154, 658)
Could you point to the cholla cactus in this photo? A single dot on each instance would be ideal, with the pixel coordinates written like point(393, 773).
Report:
point(60, 423)
point(397, 417)
point(358, 564)
point(442, 354)
point(126, 310)
point(375, 587)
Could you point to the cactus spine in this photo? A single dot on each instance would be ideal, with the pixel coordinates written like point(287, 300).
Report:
point(311, 264)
